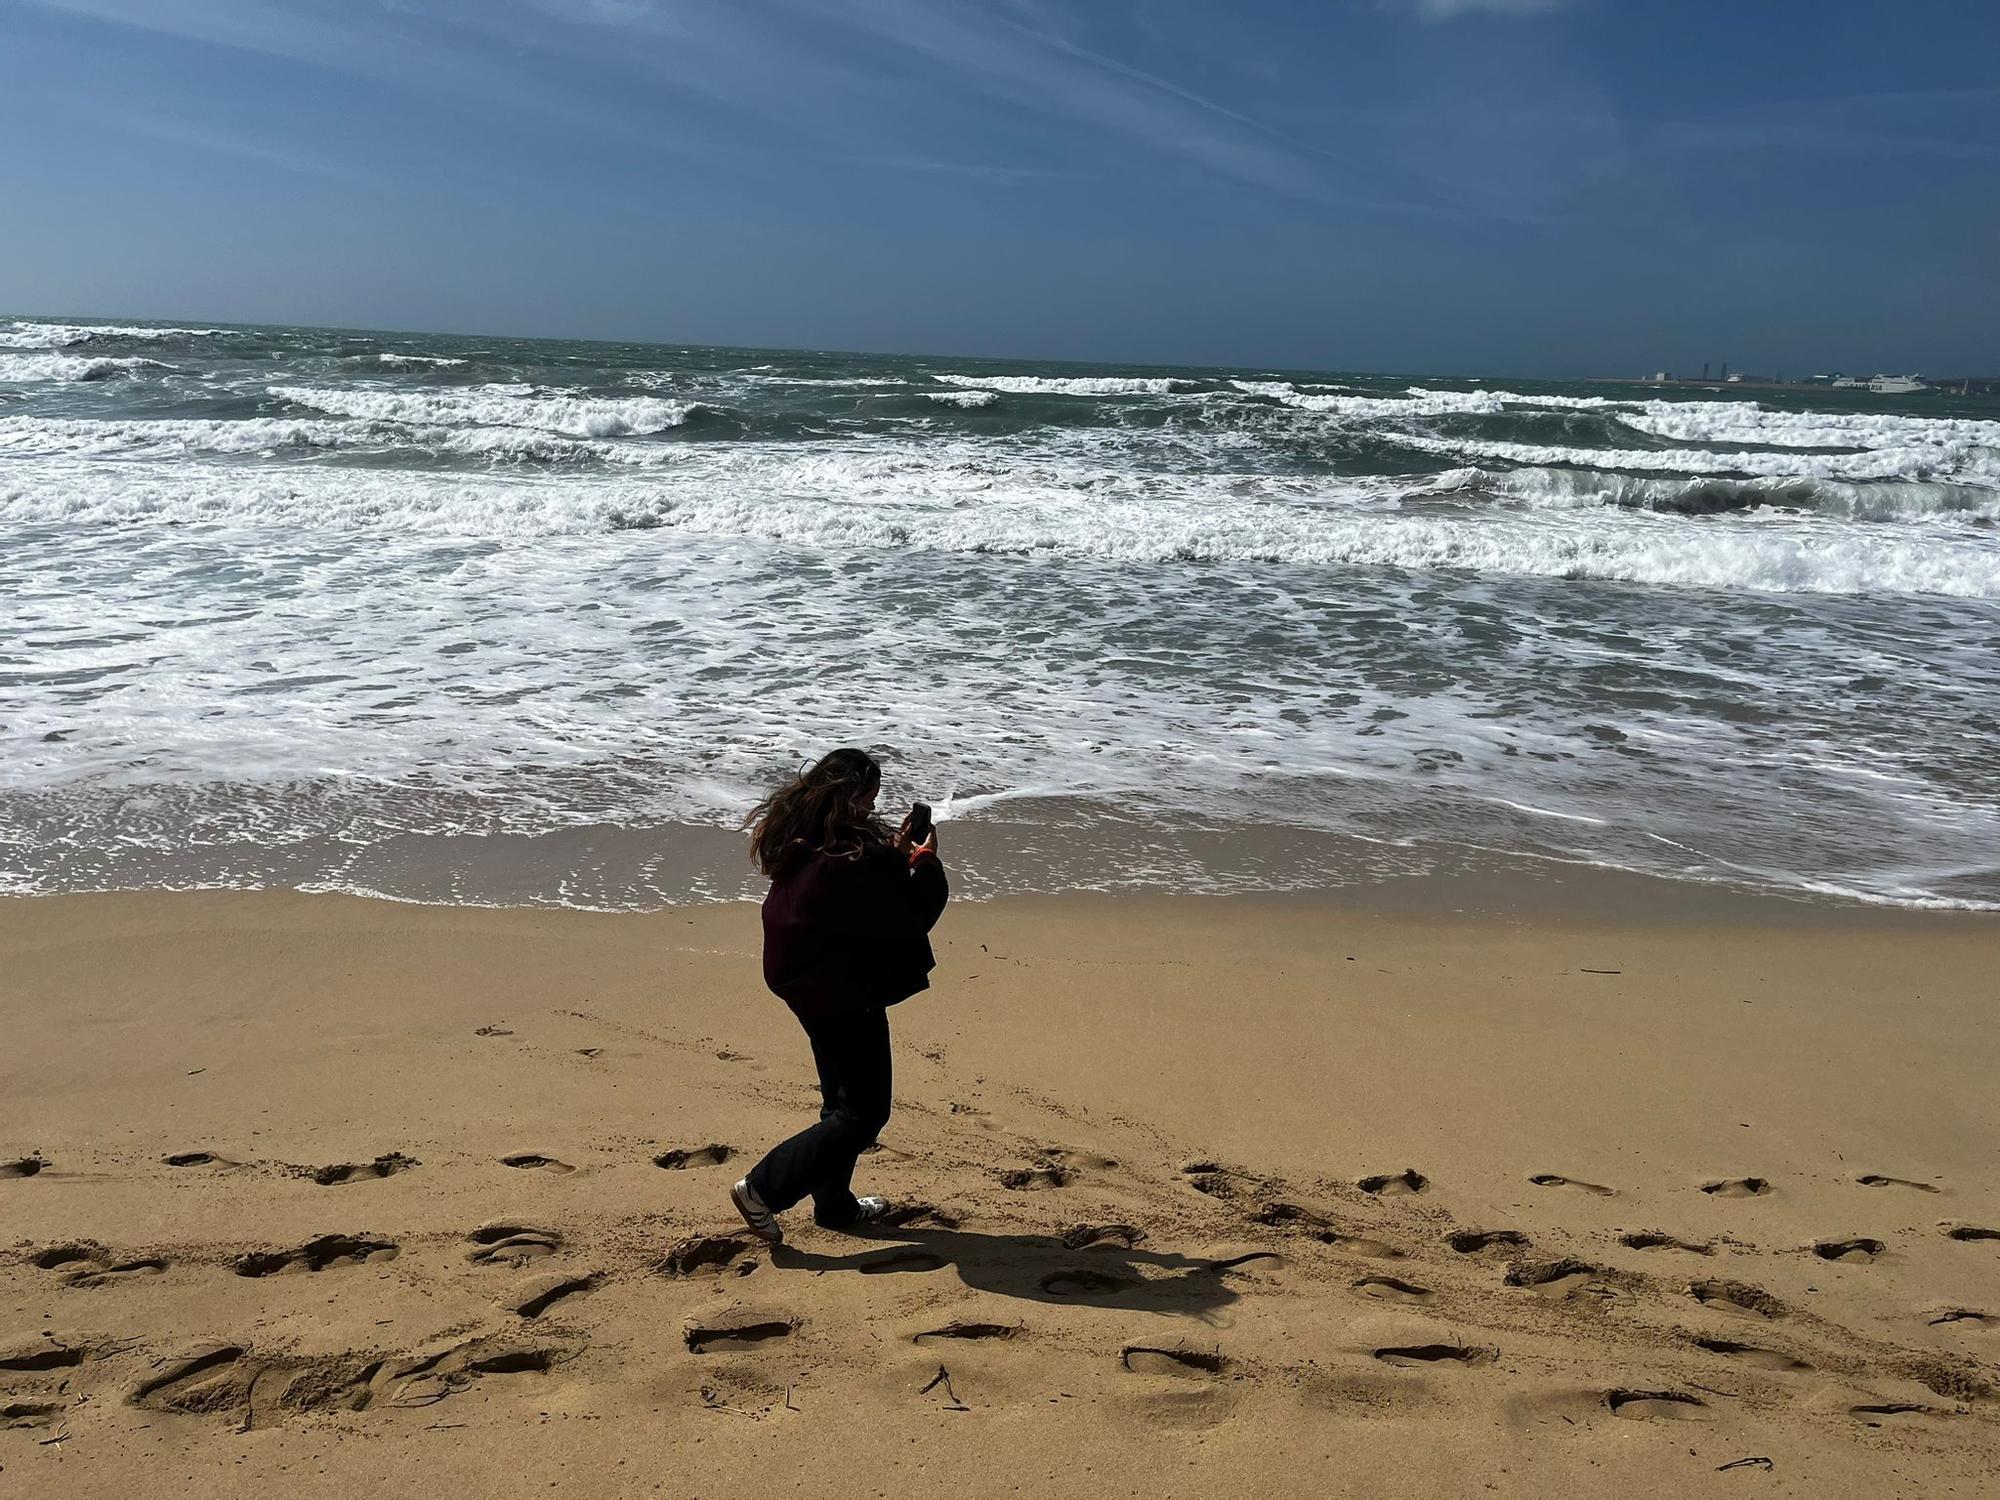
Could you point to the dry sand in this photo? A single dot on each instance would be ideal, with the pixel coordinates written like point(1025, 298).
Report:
point(1581, 1189)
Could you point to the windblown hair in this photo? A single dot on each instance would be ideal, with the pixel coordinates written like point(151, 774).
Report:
point(819, 812)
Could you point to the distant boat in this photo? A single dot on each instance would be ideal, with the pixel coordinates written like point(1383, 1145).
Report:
point(1896, 385)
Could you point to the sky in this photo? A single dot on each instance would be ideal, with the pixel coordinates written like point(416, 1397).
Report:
point(1532, 187)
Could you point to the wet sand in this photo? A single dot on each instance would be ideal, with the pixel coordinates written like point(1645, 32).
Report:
point(1560, 1186)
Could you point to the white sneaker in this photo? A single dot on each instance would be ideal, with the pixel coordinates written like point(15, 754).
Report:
point(866, 1211)
point(763, 1223)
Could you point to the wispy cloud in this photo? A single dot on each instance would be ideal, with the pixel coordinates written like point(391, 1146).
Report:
point(1033, 70)
point(924, 86)
point(185, 134)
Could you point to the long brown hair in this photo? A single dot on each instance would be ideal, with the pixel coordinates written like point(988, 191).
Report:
point(818, 812)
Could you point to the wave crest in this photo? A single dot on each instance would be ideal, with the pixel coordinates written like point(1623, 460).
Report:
point(501, 406)
point(1080, 385)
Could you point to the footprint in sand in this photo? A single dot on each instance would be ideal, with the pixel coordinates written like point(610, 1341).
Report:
point(107, 1275)
point(533, 1161)
point(1737, 1187)
point(1392, 1289)
point(1264, 1260)
point(1146, 1359)
point(35, 1358)
point(533, 1298)
point(1563, 1279)
point(86, 1263)
point(363, 1171)
point(24, 1166)
point(1877, 1414)
point(196, 1159)
point(1959, 1317)
point(1876, 1179)
point(1487, 1241)
point(1289, 1216)
point(1103, 1237)
point(1971, 1233)
point(1557, 1180)
point(1754, 1355)
point(1657, 1406)
point(902, 1260)
point(1211, 1178)
point(1652, 1239)
point(710, 1254)
point(1419, 1356)
point(1409, 1180)
point(326, 1253)
point(423, 1380)
point(81, 1252)
point(712, 1155)
point(1849, 1252)
point(511, 1244)
point(202, 1379)
point(1084, 1283)
point(1356, 1244)
point(736, 1329)
point(968, 1331)
point(1736, 1297)
point(224, 1378)
point(1031, 1179)
point(18, 1414)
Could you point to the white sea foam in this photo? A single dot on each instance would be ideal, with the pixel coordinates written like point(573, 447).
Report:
point(1731, 422)
point(416, 361)
point(1581, 488)
point(79, 437)
point(1927, 461)
point(504, 405)
point(826, 498)
point(1685, 421)
point(30, 335)
point(817, 380)
point(1079, 385)
point(1420, 402)
point(968, 399)
point(27, 369)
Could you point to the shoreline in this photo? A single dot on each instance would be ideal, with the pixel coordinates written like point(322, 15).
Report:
point(1566, 1067)
point(621, 869)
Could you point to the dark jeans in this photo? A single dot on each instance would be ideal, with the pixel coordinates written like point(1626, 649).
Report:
point(851, 1052)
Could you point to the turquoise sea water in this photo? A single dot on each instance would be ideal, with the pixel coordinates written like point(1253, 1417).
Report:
point(484, 619)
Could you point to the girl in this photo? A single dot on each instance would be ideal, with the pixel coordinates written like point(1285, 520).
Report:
point(845, 937)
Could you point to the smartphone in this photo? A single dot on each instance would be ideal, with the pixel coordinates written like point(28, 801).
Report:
point(920, 823)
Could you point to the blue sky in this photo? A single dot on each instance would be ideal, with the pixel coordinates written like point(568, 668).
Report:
point(1482, 186)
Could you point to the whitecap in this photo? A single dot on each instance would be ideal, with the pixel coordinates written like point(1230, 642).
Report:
point(1080, 385)
point(506, 405)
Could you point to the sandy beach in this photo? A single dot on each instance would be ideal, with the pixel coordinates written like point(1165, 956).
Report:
point(1575, 1186)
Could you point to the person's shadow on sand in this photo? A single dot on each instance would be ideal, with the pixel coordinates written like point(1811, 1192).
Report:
point(1041, 1268)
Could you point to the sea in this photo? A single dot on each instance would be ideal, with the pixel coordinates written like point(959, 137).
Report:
point(531, 622)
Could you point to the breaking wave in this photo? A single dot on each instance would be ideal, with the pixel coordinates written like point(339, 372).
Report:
point(826, 499)
point(28, 335)
point(1080, 385)
point(500, 406)
point(28, 369)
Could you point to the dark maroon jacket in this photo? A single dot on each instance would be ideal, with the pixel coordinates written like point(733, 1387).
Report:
point(846, 934)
